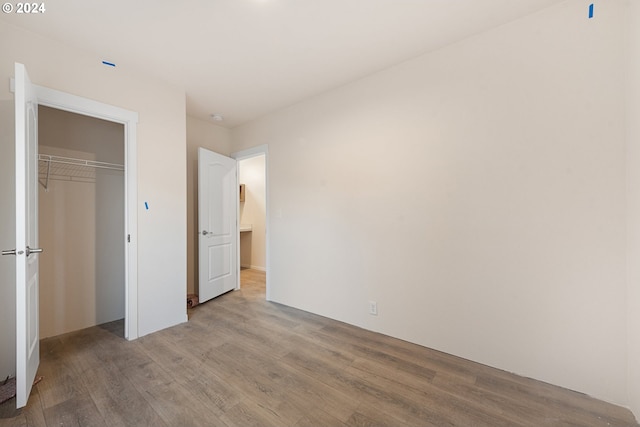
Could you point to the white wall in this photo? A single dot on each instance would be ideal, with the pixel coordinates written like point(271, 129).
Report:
point(204, 134)
point(161, 159)
point(477, 193)
point(253, 211)
point(109, 250)
point(82, 271)
point(633, 193)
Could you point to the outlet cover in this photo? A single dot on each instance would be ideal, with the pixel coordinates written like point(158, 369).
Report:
point(373, 308)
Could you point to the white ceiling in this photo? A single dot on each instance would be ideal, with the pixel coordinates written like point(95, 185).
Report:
point(246, 58)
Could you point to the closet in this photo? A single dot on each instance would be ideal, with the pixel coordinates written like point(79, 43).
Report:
point(81, 221)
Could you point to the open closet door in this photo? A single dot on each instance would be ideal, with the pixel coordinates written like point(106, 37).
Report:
point(26, 251)
point(217, 224)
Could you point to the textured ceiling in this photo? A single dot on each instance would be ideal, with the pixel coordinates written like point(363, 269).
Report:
point(246, 58)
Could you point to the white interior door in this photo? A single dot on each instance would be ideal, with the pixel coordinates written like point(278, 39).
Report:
point(217, 224)
point(27, 334)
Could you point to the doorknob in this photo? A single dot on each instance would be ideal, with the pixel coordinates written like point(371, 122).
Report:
point(15, 252)
point(205, 232)
point(30, 251)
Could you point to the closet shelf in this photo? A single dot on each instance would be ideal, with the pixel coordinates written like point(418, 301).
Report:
point(70, 169)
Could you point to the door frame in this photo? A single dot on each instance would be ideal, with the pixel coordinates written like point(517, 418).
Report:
point(243, 155)
point(87, 107)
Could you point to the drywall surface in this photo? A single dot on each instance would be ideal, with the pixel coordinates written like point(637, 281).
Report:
point(253, 211)
point(161, 158)
point(7, 241)
point(81, 225)
point(477, 193)
point(215, 138)
point(633, 194)
point(69, 231)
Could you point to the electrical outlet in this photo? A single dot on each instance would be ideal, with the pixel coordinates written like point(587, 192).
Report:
point(373, 308)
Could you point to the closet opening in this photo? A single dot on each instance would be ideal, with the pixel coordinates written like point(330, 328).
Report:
point(81, 222)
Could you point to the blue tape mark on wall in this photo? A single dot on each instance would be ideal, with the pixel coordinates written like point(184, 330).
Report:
point(591, 11)
point(110, 64)
point(146, 205)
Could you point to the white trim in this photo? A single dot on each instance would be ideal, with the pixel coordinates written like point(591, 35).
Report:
point(87, 107)
point(247, 154)
point(251, 152)
point(237, 185)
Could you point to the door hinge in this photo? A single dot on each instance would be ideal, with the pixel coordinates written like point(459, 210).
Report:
point(128, 238)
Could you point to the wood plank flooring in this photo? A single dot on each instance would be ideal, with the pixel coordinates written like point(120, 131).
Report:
point(242, 361)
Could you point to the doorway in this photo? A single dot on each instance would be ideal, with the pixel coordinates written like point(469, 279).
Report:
point(129, 119)
point(81, 221)
point(253, 213)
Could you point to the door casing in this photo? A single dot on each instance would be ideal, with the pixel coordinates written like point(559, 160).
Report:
point(79, 105)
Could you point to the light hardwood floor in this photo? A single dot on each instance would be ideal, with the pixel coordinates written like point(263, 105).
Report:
point(242, 361)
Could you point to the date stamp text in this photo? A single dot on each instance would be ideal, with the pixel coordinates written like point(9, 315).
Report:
point(23, 8)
